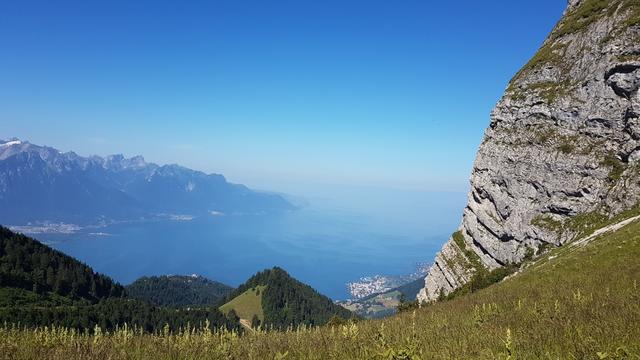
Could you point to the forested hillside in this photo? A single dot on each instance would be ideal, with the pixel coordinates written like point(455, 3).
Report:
point(28, 264)
point(178, 290)
point(288, 302)
point(107, 314)
point(40, 286)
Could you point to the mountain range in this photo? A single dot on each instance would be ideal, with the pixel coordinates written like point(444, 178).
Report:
point(43, 184)
point(543, 266)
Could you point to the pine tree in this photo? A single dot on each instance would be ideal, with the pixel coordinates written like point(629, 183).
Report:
point(255, 322)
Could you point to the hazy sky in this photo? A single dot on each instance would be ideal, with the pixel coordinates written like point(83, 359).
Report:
point(269, 93)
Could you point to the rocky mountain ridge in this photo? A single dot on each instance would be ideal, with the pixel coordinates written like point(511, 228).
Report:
point(40, 183)
point(561, 155)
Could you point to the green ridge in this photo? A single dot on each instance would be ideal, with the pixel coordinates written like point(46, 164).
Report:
point(40, 286)
point(178, 290)
point(288, 302)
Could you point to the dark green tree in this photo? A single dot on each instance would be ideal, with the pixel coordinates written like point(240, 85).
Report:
point(255, 322)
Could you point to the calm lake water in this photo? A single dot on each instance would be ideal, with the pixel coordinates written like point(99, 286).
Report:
point(322, 244)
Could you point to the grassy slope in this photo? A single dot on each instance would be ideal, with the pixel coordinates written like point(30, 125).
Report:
point(575, 303)
point(247, 304)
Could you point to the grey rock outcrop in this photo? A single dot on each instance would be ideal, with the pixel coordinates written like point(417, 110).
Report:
point(562, 151)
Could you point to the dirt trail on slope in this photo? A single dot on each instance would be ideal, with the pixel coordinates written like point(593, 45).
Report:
point(246, 324)
point(613, 227)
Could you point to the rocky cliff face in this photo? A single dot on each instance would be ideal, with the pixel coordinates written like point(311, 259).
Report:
point(562, 151)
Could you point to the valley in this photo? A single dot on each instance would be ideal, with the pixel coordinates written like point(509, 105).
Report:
point(540, 261)
point(555, 307)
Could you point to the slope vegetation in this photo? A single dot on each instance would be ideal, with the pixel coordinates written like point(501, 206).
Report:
point(247, 305)
point(285, 301)
point(29, 265)
point(575, 302)
point(40, 286)
point(176, 290)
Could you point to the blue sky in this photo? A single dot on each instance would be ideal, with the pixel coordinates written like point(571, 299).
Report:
point(269, 93)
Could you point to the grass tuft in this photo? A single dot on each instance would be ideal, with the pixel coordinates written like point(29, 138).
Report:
point(472, 258)
point(616, 167)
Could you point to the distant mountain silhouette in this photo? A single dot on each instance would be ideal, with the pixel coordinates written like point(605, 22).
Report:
point(39, 183)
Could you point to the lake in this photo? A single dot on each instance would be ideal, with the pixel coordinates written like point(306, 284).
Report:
point(325, 243)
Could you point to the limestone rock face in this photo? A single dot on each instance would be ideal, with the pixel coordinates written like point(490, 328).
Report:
point(562, 147)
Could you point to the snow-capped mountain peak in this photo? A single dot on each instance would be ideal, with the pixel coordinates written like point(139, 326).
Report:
point(40, 178)
point(11, 143)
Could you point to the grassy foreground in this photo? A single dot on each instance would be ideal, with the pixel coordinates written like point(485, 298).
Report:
point(574, 303)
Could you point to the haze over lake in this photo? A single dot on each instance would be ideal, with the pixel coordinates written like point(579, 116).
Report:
point(325, 243)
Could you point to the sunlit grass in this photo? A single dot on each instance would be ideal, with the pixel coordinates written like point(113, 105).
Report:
point(247, 304)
